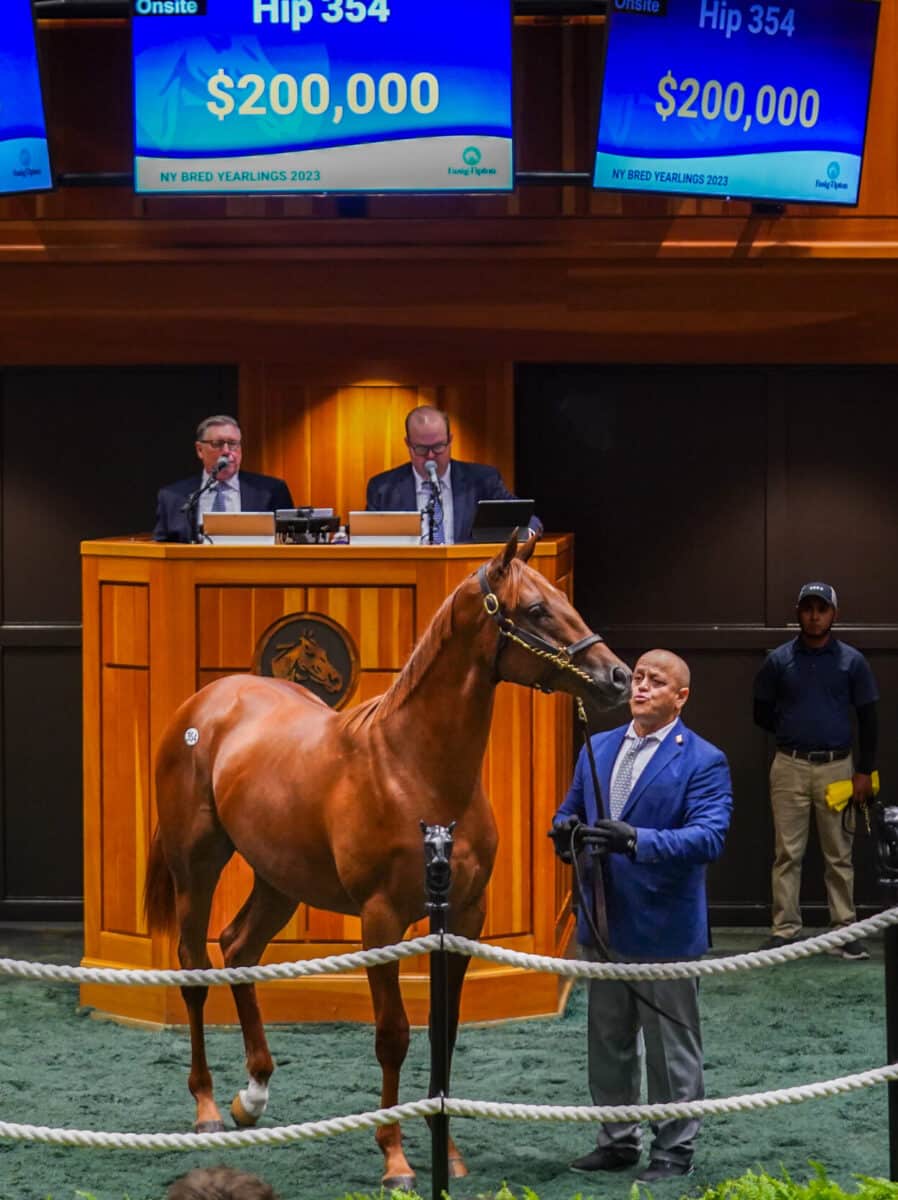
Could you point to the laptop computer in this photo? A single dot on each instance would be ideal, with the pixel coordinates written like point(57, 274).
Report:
point(495, 519)
point(239, 529)
point(385, 528)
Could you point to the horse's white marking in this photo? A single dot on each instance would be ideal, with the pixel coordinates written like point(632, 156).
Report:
point(191, 736)
point(254, 1097)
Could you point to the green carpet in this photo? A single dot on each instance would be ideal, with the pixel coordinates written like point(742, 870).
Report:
point(764, 1029)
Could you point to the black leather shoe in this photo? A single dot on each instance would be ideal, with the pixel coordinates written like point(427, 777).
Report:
point(660, 1169)
point(606, 1158)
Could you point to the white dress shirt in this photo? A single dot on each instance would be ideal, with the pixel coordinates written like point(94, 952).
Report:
point(422, 491)
point(230, 489)
point(643, 755)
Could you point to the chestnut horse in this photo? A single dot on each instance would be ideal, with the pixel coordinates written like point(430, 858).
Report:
point(325, 806)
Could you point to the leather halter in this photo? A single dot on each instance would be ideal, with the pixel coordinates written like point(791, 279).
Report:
point(560, 656)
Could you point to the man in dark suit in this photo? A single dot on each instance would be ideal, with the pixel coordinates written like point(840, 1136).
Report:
point(233, 490)
point(669, 799)
point(462, 484)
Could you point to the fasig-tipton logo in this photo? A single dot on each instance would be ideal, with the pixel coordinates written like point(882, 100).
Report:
point(832, 183)
point(25, 170)
point(642, 8)
point(471, 156)
point(168, 8)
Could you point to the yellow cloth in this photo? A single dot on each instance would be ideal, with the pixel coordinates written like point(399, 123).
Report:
point(839, 793)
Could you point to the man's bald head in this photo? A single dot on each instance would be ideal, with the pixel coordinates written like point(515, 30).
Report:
point(660, 689)
point(428, 439)
point(671, 662)
point(426, 419)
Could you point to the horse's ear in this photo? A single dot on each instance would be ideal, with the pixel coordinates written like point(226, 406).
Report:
point(525, 549)
point(499, 565)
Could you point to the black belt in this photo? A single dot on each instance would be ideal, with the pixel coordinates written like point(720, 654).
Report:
point(817, 756)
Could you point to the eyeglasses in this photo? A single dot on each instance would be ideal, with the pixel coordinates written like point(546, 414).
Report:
point(423, 451)
point(221, 443)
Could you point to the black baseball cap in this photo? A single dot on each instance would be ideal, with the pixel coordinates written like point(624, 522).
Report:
point(823, 591)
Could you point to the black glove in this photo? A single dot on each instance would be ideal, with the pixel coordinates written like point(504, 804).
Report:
point(565, 839)
point(610, 837)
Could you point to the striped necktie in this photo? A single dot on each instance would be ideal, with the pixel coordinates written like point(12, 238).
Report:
point(219, 503)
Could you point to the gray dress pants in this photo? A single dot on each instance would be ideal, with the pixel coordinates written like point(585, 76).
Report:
point(622, 1033)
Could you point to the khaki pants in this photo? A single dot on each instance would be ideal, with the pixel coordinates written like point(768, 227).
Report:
point(797, 787)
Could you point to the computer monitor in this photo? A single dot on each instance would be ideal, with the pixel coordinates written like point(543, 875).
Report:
point(494, 520)
point(24, 157)
point(757, 102)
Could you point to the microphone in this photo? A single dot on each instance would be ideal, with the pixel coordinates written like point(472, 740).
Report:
point(431, 468)
point(223, 462)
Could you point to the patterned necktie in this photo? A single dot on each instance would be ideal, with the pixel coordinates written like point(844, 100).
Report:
point(439, 535)
point(219, 503)
point(620, 788)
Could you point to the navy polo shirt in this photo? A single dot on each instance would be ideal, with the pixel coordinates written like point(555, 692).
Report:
point(813, 693)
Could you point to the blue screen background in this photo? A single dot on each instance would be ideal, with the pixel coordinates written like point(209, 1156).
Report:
point(24, 162)
point(831, 51)
point(174, 57)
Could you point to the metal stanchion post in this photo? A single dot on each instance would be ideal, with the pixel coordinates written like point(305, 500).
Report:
point(438, 876)
point(891, 977)
point(887, 860)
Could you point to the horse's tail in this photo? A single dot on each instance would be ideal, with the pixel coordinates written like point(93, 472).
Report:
point(159, 891)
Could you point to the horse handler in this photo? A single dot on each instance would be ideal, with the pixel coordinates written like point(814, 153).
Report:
point(670, 800)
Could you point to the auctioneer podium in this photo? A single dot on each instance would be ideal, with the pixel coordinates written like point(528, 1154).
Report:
point(163, 620)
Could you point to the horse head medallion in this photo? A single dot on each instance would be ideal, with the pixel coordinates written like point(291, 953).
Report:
point(312, 650)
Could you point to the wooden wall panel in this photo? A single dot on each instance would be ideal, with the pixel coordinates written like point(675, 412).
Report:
point(125, 826)
point(231, 620)
point(125, 625)
point(125, 757)
point(309, 424)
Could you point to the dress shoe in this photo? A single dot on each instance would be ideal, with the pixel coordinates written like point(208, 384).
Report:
point(660, 1169)
point(606, 1158)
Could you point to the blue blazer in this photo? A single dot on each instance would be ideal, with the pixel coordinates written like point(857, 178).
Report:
point(395, 491)
point(680, 808)
point(258, 493)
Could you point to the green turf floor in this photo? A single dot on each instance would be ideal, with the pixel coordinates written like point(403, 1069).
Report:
point(794, 1024)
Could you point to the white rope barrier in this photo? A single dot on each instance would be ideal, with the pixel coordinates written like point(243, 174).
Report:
point(202, 977)
point(360, 959)
point(277, 1136)
point(335, 964)
point(284, 1134)
point(751, 960)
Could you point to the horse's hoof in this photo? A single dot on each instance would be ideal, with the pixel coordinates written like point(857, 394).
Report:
point(208, 1127)
point(457, 1168)
point(398, 1183)
point(241, 1117)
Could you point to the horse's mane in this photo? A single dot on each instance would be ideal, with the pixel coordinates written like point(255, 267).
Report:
point(422, 657)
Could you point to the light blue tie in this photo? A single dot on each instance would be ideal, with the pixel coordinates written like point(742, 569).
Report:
point(219, 503)
point(623, 780)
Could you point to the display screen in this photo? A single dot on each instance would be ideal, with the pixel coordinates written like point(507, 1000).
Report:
point(24, 157)
point(722, 98)
point(322, 95)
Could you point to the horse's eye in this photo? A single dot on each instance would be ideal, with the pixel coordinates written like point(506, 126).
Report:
point(537, 611)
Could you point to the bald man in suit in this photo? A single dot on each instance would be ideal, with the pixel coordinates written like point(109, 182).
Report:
point(669, 803)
